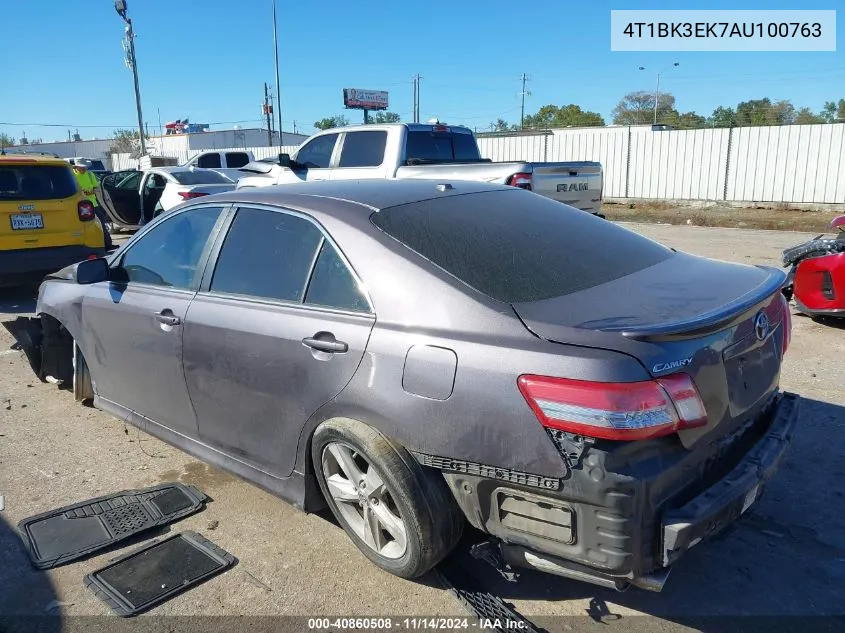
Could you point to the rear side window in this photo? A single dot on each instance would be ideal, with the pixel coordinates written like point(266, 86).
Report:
point(36, 182)
point(236, 159)
point(332, 284)
point(268, 255)
point(199, 178)
point(97, 164)
point(363, 149)
point(516, 246)
point(209, 161)
point(440, 146)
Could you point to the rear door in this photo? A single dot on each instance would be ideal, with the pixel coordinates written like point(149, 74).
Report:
point(362, 155)
point(277, 330)
point(119, 194)
point(38, 205)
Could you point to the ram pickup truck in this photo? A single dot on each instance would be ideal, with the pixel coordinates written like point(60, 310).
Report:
point(422, 151)
point(227, 162)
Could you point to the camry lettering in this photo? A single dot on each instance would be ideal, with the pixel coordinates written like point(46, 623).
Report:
point(675, 364)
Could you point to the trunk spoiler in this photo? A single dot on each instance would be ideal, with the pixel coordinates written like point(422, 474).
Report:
point(708, 321)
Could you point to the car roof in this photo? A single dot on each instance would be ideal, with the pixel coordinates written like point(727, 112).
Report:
point(374, 194)
point(22, 158)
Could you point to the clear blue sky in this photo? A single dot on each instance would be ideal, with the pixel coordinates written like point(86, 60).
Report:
point(208, 60)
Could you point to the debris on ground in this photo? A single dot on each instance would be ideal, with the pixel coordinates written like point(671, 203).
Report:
point(212, 525)
point(255, 582)
point(56, 604)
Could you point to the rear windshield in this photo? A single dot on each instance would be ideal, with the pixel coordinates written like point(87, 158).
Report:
point(36, 182)
point(440, 146)
point(516, 246)
point(199, 178)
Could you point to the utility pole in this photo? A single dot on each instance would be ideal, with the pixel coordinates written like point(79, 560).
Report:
point(416, 79)
point(523, 93)
point(129, 45)
point(267, 110)
point(278, 90)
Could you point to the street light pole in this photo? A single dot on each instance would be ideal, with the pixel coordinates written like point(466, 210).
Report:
point(120, 7)
point(657, 92)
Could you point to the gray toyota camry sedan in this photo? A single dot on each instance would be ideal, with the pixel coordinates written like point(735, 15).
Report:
point(421, 355)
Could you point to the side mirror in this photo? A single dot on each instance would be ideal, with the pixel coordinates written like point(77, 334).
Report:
point(285, 161)
point(91, 271)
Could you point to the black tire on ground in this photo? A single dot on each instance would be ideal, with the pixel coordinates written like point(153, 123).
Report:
point(433, 521)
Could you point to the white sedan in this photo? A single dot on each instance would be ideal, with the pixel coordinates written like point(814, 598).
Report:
point(132, 198)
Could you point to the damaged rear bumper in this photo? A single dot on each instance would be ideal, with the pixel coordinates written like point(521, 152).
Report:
point(623, 528)
point(721, 505)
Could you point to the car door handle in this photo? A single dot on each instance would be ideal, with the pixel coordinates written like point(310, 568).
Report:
point(167, 318)
point(331, 345)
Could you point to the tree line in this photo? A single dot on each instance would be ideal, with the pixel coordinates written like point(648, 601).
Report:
point(637, 108)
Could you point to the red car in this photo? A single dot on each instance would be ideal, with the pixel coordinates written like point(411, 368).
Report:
point(817, 278)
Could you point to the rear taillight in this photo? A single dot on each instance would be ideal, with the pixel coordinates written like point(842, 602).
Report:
point(786, 323)
point(189, 195)
point(85, 210)
point(521, 180)
point(615, 411)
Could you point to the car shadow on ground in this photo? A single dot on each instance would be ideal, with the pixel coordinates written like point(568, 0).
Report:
point(18, 299)
point(781, 569)
point(28, 598)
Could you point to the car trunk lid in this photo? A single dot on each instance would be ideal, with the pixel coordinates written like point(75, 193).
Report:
point(685, 314)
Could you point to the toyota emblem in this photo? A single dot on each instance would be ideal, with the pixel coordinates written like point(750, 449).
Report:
point(761, 326)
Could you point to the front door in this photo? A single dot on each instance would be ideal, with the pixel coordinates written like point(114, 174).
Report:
point(277, 330)
point(132, 326)
point(315, 158)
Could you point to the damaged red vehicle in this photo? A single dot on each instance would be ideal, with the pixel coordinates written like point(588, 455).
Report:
point(817, 277)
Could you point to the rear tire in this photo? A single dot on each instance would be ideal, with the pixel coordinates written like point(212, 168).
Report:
point(401, 515)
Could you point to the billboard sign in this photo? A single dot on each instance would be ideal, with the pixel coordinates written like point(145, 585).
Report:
point(365, 99)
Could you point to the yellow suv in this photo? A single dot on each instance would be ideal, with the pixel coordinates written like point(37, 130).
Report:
point(45, 221)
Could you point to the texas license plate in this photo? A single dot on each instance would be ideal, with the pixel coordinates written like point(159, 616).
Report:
point(22, 221)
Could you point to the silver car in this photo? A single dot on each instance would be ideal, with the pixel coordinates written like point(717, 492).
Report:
point(418, 355)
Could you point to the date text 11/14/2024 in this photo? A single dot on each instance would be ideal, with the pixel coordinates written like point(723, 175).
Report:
point(414, 624)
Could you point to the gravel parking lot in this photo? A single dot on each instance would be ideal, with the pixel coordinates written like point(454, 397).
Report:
point(786, 559)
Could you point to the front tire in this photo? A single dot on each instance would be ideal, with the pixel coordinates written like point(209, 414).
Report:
point(398, 513)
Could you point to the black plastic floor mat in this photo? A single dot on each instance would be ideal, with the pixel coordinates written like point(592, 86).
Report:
point(494, 614)
point(157, 572)
point(59, 536)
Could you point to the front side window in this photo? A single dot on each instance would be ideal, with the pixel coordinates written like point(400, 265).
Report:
point(267, 255)
point(168, 254)
point(318, 152)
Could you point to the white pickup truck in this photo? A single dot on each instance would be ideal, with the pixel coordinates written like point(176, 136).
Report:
point(422, 151)
point(227, 162)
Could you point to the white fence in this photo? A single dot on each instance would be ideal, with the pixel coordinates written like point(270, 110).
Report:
point(790, 164)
